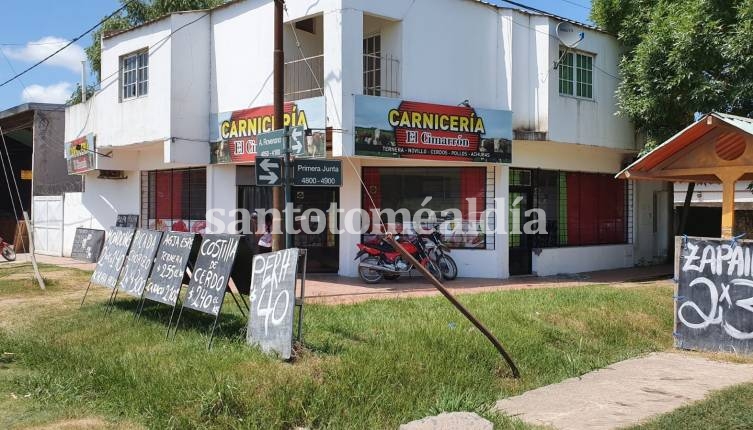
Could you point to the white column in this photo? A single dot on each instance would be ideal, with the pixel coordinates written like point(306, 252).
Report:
point(502, 241)
point(343, 74)
point(343, 79)
point(222, 195)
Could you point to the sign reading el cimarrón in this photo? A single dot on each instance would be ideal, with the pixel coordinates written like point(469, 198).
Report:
point(404, 129)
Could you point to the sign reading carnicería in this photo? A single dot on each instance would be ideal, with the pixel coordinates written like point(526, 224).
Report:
point(388, 127)
point(79, 154)
point(234, 138)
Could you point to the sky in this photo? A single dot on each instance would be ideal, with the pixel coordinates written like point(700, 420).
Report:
point(33, 29)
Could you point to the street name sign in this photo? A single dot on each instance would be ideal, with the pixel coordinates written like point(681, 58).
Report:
point(270, 144)
point(268, 172)
point(317, 173)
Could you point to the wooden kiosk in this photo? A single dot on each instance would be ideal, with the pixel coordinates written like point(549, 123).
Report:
point(714, 294)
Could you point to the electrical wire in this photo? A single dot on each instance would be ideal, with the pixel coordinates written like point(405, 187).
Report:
point(74, 40)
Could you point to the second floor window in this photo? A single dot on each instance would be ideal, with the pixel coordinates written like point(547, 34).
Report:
point(134, 75)
point(576, 74)
point(372, 66)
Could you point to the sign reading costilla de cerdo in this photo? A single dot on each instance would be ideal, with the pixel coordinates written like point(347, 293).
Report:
point(394, 128)
point(175, 253)
point(270, 322)
point(714, 301)
point(117, 243)
point(317, 173)
point(140, 260)
point(269, 172)
point(212, 272)
point(235, 137)
point(79, 154)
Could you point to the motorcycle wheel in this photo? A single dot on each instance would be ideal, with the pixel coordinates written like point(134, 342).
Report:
point(448, 267)
point(9, 253)
point(368, 275)
point(434, 270)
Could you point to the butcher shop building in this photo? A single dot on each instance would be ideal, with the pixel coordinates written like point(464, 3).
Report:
point(474, 105)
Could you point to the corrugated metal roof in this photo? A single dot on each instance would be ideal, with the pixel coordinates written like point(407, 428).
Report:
point(534, 11)
point(745, 124)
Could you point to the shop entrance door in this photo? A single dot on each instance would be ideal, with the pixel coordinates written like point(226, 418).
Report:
point(323, 245)
point(520, 243)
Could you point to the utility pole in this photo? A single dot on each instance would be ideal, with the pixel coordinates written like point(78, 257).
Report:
point(278, 73)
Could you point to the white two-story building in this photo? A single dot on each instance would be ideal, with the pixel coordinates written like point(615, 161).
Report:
point(460, 100)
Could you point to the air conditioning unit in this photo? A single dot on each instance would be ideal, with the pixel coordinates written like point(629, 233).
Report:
point(112, 174)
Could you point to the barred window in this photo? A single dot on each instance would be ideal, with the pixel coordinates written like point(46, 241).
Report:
point(581, 208)
point(372, 65)
point(174, 199)
point(576, 74)
point(134, 75)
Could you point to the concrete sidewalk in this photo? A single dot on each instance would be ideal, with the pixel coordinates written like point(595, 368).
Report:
point(333, 289)
point(625, 393)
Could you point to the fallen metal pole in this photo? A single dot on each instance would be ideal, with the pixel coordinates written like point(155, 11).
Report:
point(424, 271)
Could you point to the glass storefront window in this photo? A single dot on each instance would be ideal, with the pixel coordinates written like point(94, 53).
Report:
point(461, 188)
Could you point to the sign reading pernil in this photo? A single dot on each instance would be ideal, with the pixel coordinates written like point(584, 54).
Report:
point(79, 154)
point(234, 138)
point(714, 301)
point(388, 127)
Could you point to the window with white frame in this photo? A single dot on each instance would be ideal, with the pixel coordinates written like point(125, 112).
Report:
point(134, 75)
point(372, 65)
point(576, 74)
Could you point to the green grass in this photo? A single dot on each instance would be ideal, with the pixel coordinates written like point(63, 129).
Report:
point(371, 365)
point(727, 409)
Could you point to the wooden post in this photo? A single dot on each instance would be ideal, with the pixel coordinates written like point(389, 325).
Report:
point(728, 204)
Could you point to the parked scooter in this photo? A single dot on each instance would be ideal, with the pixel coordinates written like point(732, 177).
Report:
point(384, 262)
point(7, 251)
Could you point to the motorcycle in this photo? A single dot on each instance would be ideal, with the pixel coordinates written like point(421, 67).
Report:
point(384, 262)
point(7, 251)
point(438, 252)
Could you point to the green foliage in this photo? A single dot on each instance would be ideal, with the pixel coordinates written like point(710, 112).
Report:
point(681, 57)
point(75, 97)
point(138, 12)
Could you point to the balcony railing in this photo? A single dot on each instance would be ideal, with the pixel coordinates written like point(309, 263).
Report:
point(304, 77)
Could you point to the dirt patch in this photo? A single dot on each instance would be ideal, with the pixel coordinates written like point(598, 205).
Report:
point(84, 424)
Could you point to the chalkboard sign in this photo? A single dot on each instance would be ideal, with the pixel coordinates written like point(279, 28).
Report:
point(212, 271)
point(270, 322)
point(714, 301)
point(175, 253)
point(139, 261)
point(87, 244)
point(117, 243)
point(127, 221)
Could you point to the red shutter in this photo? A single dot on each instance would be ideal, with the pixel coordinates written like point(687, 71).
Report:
point(472, 182)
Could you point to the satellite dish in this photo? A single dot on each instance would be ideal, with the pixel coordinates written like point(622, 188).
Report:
point(569, 35)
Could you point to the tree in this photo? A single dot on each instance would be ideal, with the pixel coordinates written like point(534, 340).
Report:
point(138, 12)
point(681, 57)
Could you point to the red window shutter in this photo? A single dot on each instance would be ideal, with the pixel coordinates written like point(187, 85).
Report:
point(573, 208)
point(164, 194)
point(472, 182)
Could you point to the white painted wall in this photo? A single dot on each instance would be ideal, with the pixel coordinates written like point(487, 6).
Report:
point(141, 119)
point(578, 259)
point(76, 215)
point(711, 194)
